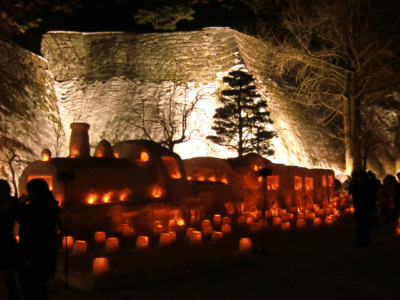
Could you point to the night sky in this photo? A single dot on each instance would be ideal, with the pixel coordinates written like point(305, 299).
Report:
point(117, 15)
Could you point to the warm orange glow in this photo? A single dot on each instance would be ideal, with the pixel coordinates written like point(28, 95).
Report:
point(189, 231)
point(173, 235)
point(398, 230)
point(273, 182)
point(100, 265)
point(112, 244)
point(180, 222)
point(224, 180)
point(256, 168)
point(309, 184)
point(217, 219)
point(165, 239)
point(142, 242)
point(172, 167)
point(158, 227)
point(226, 220)
point(100, 154)
point(212, 178)
point(317, 221)
point(144, 156)
point(245, 245)
point(300, 223)
point(330, 180)
point(45, 157)
point(207, 230)
point(201, 178)
point(80, 247)
point(324, 181)
point(116, 155)
point(124, 194)
point(47, 178)
point(91, 198)
point(189, 177)
point(276, 221)
point(285, 225)
point(17, 238)
point(107, 197)
point(126, 230)
point(216, 236)
point(74, 151)
point(156, 191)
point(195, 237)
point(205, 223)
point(226, 228)
point(298, 183)
point(241, 220)
point(100, 237)
point(260, 179)
point(68, 241)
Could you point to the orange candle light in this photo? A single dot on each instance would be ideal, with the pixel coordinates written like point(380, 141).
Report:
point(205, 223)
point(216, 236)
point(189, 231)
point(245, 245)
point(226, 220)
point(79, 248)
point(173, 235)
point(68, 241)
point(100, 265)
point(226, 228)
point(127, 230)
point(112, 244)
point(142, 242)
point(207, 230)
point(241, 220)
point(276, 221)
point(217, 219)
point(317, 222)
point(100, 237)
point(285, 225)
point(300, 223)
point(158, 227)
point(165, 239)
point(328, 220)
point(195, 237)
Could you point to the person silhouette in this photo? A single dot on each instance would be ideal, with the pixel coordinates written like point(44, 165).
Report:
point(39, 222)
point(8, 248)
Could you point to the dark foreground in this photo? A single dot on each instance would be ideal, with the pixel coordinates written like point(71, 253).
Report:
point(299, 264)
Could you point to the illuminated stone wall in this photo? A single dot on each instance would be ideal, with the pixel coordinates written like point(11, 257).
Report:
point(28, 105)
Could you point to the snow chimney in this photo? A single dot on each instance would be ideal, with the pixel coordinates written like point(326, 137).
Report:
point(79, 142)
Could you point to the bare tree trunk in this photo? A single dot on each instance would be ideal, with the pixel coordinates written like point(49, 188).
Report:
point(397, 146)
point(347, 135)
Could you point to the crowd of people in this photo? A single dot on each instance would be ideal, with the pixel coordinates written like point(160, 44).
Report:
point(373, 199)
point(27, 265)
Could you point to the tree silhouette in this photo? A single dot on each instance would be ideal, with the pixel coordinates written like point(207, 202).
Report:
point(240, 124)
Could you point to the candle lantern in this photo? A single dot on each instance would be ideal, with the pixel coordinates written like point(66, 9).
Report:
point(241, 220)
point(100, 265)
point(142, 242)
point(284, 218)
point(226, 220)
point(80, 247)
point(205, 223)
point(398, 230)
point(300, 216)
point(158, 227)
point(173, 235)
point(207, 230)
point(171, 224)
point(285, 225)
point(249, 221)
point(112, 244)
point(100, 237)
point(217, 219)
point(127, 230)
point(328, 220)
point(165, 239)
point(300, 223)
point(68, 241)
point(245, 245)
point(195, 237)
point(276, 221)
point(226, 228)
point(189, 231)
point(216, 236)
point(317, 221)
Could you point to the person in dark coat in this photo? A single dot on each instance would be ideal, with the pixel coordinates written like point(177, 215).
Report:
point(39, 223)
point(363, 195)
point(8, 247)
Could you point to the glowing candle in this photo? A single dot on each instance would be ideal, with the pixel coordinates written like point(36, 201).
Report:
point(207, 230)
point(300, 216)
point(317, 222)
point(245, 245)
point(276, 221)
point(142, 242)
point(112, 244)
point(205, 223)
point(195, 237)
point(285, 218)
point(68, 241)
point(217, 219)
point(226, 220)
point(171, 223)
point(100, 265)
point(173, 235)
point(100, 237)
point(192, 220)
point(216, 236)
point(328, 220)
point(285, 225)
point(189, 231)
point(249, 221)
point(268, 214)
point(309, 215)
point(158, 227)
point(80, 247)
point(398, 230)
point(241, 220)
point(127, 230)
point(226, 228)
point(17, 238)
point(300, 223)
point(165, 239)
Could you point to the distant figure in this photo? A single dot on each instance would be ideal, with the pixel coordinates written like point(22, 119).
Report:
point(387, 193)
point(362, 192)
point(39, 222)
point(8, 246)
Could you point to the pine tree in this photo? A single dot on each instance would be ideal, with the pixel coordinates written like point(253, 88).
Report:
point(240, 123)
